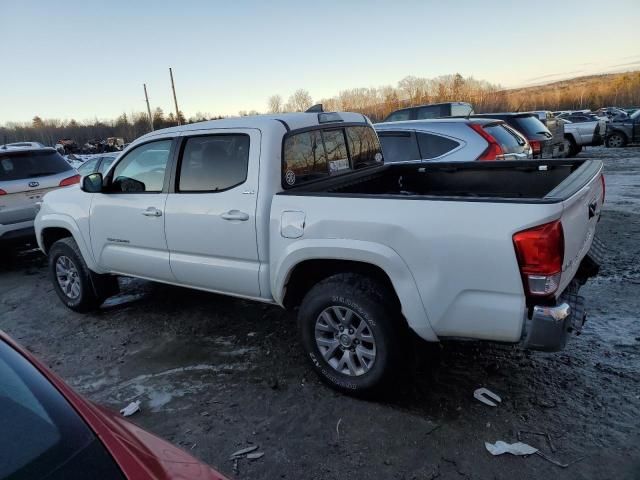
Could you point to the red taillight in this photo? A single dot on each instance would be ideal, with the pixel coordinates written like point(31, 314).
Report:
point(540, 251)
point(70, 181)
point(494, 150)
point(536, 147)
point(2, 192)
point(604, 187)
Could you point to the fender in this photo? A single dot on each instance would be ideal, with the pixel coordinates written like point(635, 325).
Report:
point(373, 253)
point(59, 220)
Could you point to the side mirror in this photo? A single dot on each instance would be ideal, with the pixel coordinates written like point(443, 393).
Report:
point(92, 183)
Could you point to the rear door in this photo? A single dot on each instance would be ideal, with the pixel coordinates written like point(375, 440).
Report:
point(580, 215)
point(211, 212)
point(25, 176)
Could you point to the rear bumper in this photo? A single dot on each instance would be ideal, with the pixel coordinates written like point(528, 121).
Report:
point(548, 327)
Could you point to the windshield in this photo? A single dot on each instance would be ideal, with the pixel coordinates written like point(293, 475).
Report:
point(30, 164)
point(635, 114)
point(41, 432)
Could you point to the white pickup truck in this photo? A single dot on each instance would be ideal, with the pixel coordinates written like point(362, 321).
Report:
point(300, 210)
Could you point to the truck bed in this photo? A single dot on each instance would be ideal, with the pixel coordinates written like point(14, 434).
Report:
point(530, 181)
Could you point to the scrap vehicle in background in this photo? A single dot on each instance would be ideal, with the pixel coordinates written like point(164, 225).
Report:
point(582, 130)
point(451, 140)
point(433, 110)
point(26, 174)
point(300, 210)
point(543, 143)
point(623, 131)
point(49, 431)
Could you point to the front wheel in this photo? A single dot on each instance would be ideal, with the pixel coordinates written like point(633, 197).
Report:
point(352, 334)
point(616, 140)
point(72, 279)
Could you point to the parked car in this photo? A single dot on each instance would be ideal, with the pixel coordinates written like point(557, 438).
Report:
point(556, 128)
point(23, 145)
point(26, 174)
point(624, 131)
point(613, 113)
point(97, 163)
point(49, 431)
point(451, 140)
point(543, 143)
point(434, 110)
point(300, 210)
point(582, 131)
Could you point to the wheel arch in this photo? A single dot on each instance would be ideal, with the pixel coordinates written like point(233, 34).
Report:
point(306, 262)
point(55, 227)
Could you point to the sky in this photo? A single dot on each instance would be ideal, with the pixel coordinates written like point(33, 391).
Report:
point(87, 59)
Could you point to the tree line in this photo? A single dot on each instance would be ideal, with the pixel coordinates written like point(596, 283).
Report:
point(592, 92)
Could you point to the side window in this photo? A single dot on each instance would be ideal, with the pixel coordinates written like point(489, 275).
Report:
point(399, 116)
point(143, 168)
point(214, 163)
point(106, 163)
point(399, 146)
point(89, 166)
point(432, 146)
point(304, 158)
point(364, 147)
point(432, 111)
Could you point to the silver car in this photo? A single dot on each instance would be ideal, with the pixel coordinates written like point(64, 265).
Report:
point(26, 174)
point(451, 140)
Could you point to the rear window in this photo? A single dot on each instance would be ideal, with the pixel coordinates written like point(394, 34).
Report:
point(508, 140)
point(433, 111)
point(529, 125)
point(317, 154)
point(31, 164)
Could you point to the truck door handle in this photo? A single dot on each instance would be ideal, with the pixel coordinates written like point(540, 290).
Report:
point(152, 212)
point(235, 215)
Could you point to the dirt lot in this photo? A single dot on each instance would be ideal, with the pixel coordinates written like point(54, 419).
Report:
point(216, 374)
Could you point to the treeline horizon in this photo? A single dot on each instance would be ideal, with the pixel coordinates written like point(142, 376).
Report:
point(620, 89)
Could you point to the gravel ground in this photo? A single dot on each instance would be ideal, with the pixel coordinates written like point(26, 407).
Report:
point(216, 374)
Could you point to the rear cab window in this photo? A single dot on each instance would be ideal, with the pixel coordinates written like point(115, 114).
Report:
point(31, 164)
point(322, 152)
point(530, 126)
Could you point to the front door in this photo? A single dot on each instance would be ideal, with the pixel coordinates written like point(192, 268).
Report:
point(127, 219)
point(211, 212)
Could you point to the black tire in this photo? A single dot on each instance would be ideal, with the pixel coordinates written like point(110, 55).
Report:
point(616, 140)
point(93, 288)
point(371, 304)
point(573, 147)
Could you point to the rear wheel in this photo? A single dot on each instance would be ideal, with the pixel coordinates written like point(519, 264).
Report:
point(351, 334)
point(574, 149)
point(78, 288)
point(616, 140)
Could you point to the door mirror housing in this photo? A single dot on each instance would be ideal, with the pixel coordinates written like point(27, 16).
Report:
point(92, 183)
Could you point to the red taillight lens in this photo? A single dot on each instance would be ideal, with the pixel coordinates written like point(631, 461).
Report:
point(494, 150)
point(2, 192)
point(536, 147)
point(540, 251)
point(604, 187)
point(70, 181)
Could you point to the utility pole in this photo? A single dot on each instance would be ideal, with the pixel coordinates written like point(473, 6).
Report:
point(175, 100)
point(148, 107)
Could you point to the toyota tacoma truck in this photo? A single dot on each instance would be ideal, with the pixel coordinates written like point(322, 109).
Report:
point(300, 210)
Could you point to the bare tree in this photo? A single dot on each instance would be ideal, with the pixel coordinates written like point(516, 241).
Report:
point(274, 104)
point(299, 101)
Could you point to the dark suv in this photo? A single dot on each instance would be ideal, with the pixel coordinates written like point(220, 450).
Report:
point(433, 110)
point(543, 143)
point(621, 132)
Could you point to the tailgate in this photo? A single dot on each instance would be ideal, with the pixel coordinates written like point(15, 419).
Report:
point(580, 215)
point(18, 202)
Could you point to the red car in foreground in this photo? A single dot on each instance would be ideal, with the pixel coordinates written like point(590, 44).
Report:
point(49, 431)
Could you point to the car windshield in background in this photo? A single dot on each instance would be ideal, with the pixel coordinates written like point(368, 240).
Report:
point(319, 153)
point(635, 115)
point(530, 125)
point(31, 164)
